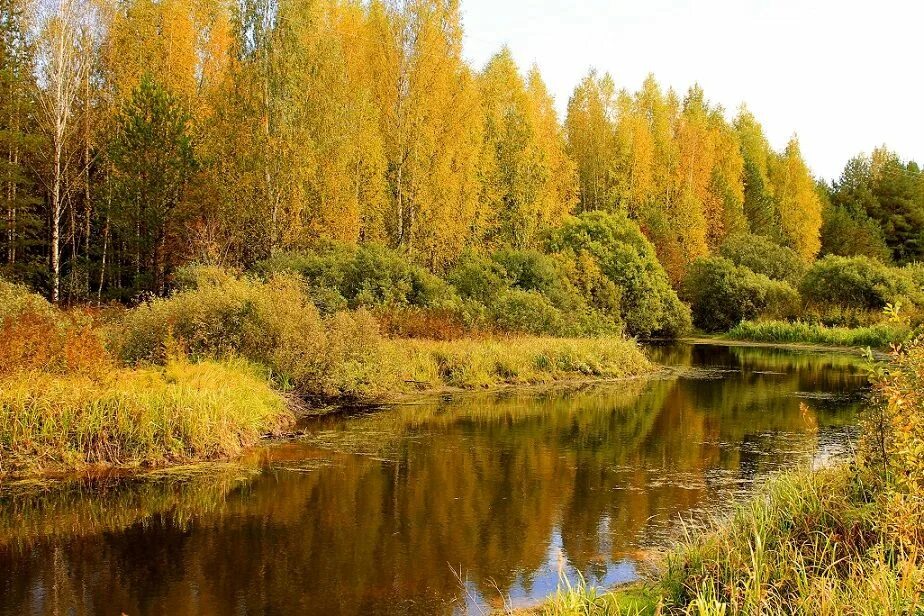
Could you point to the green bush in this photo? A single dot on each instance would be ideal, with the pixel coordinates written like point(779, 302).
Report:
point(616, 246)
point(858, 282)
point(365, 275)
point(527, 291)
point(16, 299)
point(527, 312)
point(478, 277)
point(723, 294)
point(273, 323)
point(763, 256)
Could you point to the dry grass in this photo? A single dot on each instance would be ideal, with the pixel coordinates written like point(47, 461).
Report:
point(182, 411)
point(472, 364)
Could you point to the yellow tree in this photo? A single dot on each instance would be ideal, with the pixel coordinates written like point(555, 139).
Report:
point(431, 126)
point(797, 202)
point(529, 181)
point(590, 129)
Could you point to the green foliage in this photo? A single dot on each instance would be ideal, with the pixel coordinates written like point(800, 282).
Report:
point(153, 159)
point(723, 294)
point(273, 323)
point(529, 312)
point(366, 275)
point(858, 282)
point(478, 277)
point(763, 256)
point(878, 336)
point(616, 247)
point(849, 234)
point(16, 299)
point(884, 189)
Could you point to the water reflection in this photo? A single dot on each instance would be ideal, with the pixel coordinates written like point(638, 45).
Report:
point(434, 507)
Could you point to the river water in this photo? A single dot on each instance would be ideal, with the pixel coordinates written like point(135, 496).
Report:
point(451, 505)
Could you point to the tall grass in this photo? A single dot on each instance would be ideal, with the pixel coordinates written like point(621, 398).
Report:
point(472, 364)
point(181, 411)
point(876, 336)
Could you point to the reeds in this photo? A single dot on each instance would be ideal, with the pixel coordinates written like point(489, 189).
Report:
point(877, 336)
point(473, 364)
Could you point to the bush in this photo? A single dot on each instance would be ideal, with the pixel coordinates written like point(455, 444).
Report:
point(723, 294)
point(478, 277)
point(367, 275)
point(858, 282)
point(616, 246)
point(763, 256)
point(16, 299)
point(527, 312)
point(273, 323)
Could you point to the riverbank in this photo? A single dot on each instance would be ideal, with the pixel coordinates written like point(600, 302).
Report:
point(846, 539)
point(879, 336)
point(185, 411)
point(207, 373)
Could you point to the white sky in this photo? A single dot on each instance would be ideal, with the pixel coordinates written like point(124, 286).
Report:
point(843, 75)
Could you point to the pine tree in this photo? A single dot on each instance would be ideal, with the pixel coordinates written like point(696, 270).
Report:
point(153, 160)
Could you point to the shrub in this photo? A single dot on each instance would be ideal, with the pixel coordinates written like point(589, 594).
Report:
point(648, 304)
point(366, 275)
point(16, 299)
point(858, 282)
point(273, 323)
point(763, 256)
point(723, 294)
point(478, 277)
point(527, 312)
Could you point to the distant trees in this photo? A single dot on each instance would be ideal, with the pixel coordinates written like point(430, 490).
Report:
point(879, 199)
point(139, 135)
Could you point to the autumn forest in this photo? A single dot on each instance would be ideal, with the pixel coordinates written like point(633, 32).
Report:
point(141, 135)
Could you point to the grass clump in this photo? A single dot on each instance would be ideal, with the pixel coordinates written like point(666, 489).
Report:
point(181, 411)
point(878, 336)
point(472, 364)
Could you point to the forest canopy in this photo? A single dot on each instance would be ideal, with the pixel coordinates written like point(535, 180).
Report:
point(143, 135)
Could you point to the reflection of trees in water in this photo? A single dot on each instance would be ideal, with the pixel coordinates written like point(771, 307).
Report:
point(481, 483)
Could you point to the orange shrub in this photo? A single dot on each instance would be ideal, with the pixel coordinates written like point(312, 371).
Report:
point(427, 323)
point(38, 340)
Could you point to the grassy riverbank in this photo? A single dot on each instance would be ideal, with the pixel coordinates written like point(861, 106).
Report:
point(878, 336)
point(205, 373)
point(845, 540)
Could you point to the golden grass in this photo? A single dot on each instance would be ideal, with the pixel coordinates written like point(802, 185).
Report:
point(146, 416)
point(483, 363)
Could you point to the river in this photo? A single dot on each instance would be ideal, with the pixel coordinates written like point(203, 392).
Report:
point(449, 505)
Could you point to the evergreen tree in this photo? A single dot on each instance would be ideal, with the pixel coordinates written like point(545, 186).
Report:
point(153, 159)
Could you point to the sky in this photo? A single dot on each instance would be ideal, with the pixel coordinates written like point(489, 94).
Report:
point(844, 76)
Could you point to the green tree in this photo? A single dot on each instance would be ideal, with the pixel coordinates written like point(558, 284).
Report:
point(21, 224)
point(153, 159)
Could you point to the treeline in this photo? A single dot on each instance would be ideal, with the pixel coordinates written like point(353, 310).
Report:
point(141, 135)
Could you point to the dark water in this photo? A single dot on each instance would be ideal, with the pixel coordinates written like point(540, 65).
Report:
point(437, 507)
